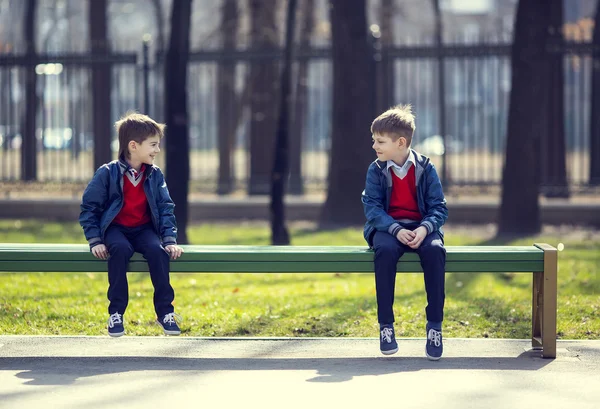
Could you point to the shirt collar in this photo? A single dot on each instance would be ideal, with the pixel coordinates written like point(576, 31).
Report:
point(409, 161)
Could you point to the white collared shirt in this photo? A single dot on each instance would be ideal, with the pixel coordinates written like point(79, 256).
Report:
point(402, 171)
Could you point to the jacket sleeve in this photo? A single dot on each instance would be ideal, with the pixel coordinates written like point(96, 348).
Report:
point(93, 205)
point(435, 202)
point(372, 199)
point(166, 206)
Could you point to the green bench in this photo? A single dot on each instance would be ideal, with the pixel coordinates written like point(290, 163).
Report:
point(539, 259)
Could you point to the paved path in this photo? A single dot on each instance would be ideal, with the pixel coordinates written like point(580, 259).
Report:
point(160, 372)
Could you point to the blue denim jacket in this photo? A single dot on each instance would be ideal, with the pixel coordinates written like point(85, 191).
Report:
point(377, 194)
point(103, 199)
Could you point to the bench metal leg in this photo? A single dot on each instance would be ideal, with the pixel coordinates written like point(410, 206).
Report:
point(547, 300)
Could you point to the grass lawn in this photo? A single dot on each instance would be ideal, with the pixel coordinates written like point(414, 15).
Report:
point(477, 305)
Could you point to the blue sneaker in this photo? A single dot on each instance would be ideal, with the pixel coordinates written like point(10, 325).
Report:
point(115, 325)
point(434, 346)
point(387, 340)
point(169, 325)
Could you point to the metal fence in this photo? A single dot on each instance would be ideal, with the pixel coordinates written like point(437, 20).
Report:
point(477, 87)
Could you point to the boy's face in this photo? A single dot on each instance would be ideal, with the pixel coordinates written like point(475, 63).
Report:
point(146, 151)
point(388, 149)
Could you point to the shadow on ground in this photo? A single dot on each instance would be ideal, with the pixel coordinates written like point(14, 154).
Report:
point(67, 370)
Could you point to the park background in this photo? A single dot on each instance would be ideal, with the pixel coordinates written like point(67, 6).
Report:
point(268, 105)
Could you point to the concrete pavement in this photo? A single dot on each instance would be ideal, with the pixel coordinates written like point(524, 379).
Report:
point(159, 372)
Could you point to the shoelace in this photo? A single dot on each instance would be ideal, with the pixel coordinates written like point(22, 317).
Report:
point(434, 337)
point(386, 335)
point(171, 318)
point(116, 318)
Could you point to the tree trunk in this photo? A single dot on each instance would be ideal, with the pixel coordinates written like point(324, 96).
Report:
point(29, 142)
point(301, 101)
point(528, 113)
point(177, 141)
point(263, 100)
point(227, 115)
point(279, 233)
point(594, 112)
point(353, 112)
point(553, 158)
point(101, 83)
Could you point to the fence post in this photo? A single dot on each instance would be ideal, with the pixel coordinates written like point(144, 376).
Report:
point(441, 89)
point(146, 73)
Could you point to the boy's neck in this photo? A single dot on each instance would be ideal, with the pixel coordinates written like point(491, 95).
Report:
point(402, 158)
point(137, 165)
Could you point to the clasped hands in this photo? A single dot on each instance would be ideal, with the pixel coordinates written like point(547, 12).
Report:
point(412, 238)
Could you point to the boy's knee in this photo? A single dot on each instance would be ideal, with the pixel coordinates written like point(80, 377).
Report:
point(433, 249)
point(387, 250)
point(155, 251)
point(121, 249)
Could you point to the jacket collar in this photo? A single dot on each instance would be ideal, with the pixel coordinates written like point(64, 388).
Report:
point(419, 160)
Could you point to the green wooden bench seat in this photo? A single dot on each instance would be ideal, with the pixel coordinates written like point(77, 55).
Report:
point(539, 259)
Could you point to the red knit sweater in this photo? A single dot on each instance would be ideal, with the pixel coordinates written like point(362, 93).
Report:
point(403, 203)
point(135, 211)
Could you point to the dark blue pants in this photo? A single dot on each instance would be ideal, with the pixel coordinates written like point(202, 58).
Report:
point(432, 253)
point(121, 243)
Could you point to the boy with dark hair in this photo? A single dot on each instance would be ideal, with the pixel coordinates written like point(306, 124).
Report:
point(127, 208)
point(405, 209)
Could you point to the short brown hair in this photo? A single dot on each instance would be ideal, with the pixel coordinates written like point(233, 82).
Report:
point(398, 121)
point(134, 126)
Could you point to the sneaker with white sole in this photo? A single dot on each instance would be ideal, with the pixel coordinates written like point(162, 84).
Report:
point(115, 325)
point(168, 323)
point(434, 346)
point(387, 340)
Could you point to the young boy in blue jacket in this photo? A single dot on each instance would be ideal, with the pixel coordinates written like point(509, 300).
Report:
point(405, 209)
point(127, 208)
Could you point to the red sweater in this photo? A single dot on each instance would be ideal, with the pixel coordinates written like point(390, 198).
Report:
point(403, 203)
point(135, 211)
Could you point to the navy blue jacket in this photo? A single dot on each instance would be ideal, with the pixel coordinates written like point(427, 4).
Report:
point(103, 199)
point(378, 190)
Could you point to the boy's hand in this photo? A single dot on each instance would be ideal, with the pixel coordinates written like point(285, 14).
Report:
point(173, 251)
point(100, 251)
point(405, 236)
point(420, 234)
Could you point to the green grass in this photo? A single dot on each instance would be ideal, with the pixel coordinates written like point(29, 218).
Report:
point(477, 305)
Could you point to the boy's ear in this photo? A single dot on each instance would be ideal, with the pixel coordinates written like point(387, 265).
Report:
point(132, 145)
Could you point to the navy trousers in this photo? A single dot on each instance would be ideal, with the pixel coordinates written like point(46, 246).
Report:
point(121, 243)
point(432, 253)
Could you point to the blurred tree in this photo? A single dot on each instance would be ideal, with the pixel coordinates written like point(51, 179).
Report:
point(176, 114)
point(595, 111)
point(228, 111)
point(263, 91)
point(29, 144)
point(301, 99)
point(527, 117)
point(353, 112)
point(553, 150)
point(101, 82)
point(279, 233)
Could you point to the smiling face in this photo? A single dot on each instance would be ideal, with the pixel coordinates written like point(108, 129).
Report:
point(389, 149)
point(144, 152)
